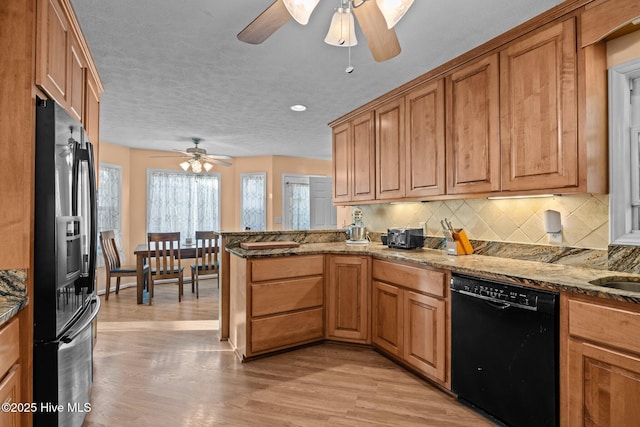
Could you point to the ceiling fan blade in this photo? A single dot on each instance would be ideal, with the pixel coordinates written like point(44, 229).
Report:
point(172, 157)
point(267, 23)
point(219, 162)
point(382, 41)
point(217, 156)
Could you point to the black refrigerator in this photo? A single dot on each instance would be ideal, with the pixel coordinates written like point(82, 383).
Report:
point(64, 299)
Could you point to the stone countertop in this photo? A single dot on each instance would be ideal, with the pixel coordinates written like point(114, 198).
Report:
point(550, 276)
point(13, 293)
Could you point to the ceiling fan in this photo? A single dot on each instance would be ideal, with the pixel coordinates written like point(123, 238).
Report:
point(376, 18)
point(197, 158)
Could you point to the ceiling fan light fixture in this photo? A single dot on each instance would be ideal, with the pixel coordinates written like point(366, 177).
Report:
point(393, 10)
point(185, 166)
point(301, 10)
point(207, 166)
point(196, 166)
point(342, 29)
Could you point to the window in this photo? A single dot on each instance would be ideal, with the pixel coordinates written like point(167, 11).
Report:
point(254, 201)
point(296, 202)
point(182, 201)
point(624, 153)
point(109, 203)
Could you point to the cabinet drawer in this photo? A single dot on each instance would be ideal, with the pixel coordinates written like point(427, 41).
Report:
point(419, 279)
point(9, 346)
point(614, 326)
point(286, 330)
point(286, 267)
point(278, 297)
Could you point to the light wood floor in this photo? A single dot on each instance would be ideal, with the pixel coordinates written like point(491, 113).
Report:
point(163, 365)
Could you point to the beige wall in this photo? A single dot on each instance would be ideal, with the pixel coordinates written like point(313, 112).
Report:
point(135, 163)
point(623, 49)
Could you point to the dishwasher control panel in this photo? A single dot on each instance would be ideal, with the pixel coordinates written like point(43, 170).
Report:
point(493, 290)
point(499, 292)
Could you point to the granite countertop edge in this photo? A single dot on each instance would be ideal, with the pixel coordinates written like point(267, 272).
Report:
point(554, 277)
point(13, 294)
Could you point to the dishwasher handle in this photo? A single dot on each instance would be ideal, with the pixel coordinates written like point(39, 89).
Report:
point(496, 302)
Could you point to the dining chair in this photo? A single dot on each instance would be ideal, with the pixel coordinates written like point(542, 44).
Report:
point(112, 264)
point(163, 253)
point(206, 258)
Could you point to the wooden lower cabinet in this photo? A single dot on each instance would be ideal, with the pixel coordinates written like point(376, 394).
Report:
point(409, 316)
point(348, 299)
point(275, 303)
point(387, 317)
point(424, 334)
point(602, 386)
point(10, 373)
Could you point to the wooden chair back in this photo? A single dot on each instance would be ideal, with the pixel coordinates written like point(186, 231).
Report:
point(164, 255)
point(207, 252)
point(112, 263)
point(109, 249)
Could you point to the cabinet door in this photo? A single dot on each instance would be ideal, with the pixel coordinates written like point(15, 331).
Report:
point(92, 117)
point(424, 344)
point(390, 150)
point(605, 386)
point(53, 50)
point(473, 134)
point(538, 108)
point(387, 317)
point(10, 393)
point(348, 299)
point(424, 127)
point(364, 161)
point(342, 163)
point(76, 86)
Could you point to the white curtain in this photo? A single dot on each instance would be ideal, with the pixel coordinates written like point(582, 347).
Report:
point(254, 200)
point(182, 201)
point(109, 205)
point(299, 205)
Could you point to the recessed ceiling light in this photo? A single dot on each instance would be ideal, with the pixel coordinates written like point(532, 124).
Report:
point(298, 107)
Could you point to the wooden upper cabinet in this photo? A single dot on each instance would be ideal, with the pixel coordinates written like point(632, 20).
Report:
point(53, 52)
point(425, 143)
point(604, 18)
point(473, 134)
point(364, 158)
point(64, 66)
point(342, 163)
point(92, 116)
point(77, 69)
point(354, 160)
point(390, 150)
point(538, 108)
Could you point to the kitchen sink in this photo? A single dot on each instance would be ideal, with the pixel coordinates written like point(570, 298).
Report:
point(623, 283)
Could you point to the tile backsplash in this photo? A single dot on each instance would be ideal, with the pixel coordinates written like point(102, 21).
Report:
point(585, 218)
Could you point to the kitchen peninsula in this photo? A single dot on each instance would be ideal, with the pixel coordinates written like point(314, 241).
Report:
point(287, 297)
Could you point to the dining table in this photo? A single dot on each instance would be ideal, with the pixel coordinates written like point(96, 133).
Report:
point(141, 252)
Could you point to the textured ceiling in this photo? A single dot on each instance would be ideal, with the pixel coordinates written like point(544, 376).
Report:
point(173, 70)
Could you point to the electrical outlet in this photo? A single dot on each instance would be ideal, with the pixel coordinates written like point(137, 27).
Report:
point(555, 237)
point(423, 224)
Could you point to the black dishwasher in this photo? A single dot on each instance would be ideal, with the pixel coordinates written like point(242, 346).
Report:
point(504, 350)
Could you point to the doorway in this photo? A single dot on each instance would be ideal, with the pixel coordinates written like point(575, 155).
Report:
point(307, 202)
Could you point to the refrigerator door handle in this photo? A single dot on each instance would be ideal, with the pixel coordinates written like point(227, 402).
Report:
point(86, 155)
point(86, 321)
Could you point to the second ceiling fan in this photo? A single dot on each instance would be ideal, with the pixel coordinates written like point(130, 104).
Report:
point(376, 19)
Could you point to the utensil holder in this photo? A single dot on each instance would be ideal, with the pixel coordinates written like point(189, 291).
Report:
point(463, 245)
